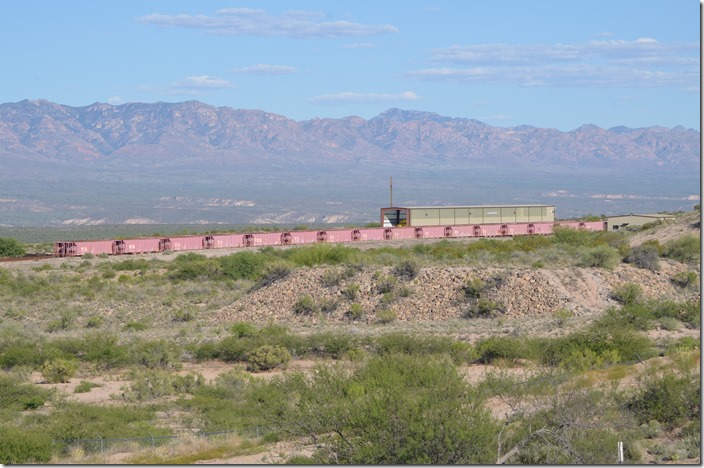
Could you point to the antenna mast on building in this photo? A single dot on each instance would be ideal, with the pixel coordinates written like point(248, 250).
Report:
point(391, 191)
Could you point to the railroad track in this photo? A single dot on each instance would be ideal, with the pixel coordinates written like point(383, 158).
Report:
point(26, 258)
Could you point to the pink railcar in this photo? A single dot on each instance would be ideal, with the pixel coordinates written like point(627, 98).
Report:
point(263, 239)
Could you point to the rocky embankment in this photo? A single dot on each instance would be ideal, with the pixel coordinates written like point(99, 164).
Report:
point(438, 293)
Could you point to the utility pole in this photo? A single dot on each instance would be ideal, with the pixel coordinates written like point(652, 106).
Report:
point(391, 191)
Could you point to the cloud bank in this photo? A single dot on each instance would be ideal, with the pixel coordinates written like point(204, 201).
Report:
point(256, 22)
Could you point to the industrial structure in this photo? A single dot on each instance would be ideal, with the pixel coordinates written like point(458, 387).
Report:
point(420, 216)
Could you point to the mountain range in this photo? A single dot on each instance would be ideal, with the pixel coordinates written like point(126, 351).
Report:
point(190, 162)
point(43, 128)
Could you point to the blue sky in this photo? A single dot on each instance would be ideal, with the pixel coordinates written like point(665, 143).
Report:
point(556, 64)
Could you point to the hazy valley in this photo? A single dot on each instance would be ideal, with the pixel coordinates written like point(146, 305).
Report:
point(190, 163)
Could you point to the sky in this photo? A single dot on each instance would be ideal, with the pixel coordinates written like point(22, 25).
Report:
point(546, 63)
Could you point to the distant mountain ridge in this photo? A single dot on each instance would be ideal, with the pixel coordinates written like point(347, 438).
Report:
point(185, 130)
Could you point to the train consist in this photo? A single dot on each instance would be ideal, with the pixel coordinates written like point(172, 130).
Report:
point(406, 230)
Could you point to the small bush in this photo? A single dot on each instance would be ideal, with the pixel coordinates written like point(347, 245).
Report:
point(385, 316)
point(272, 274)
point(22, 446)
point(686, 280)
point(627, 294)
point(408, 269)
point(474, 289)
point(242, 329)
point(11, 248)
point(351, 291)
point(669, 399)
point(156, 354)
point(484, 308)
point(386, 284)
point(59, 370)
point(136, 326)
point(85, 387)
point(94, 321)
point(686, 249)
point(501, 347)
point(646, 256)
point(356, 312)
point(327, 306)
point(268, 357)
point(305, 305)
point(601, 256)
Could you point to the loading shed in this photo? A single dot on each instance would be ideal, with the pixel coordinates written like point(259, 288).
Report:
point(614, 223)
point(419, 216)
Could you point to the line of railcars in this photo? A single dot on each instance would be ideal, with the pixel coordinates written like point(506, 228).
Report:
point(352, 235)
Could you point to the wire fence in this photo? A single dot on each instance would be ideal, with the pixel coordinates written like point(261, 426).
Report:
point(104, 444)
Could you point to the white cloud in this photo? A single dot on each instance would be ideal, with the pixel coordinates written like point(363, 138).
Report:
point(344, 97)
point(189, 86)
point(202, 82)
point(617, 63)
point(265, 69)
point(256, 22)
point(360, 45)
point(115, 100)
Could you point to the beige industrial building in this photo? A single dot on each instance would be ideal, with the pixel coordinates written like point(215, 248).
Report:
point(419, 216)
point(614, 223)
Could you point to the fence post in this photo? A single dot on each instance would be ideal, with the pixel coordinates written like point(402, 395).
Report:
point(102, 447)
point(620, 453)
point(152, 440)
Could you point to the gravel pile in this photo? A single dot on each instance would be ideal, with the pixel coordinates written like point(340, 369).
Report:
point(437, 293)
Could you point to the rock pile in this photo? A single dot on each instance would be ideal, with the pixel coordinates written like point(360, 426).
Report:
point(437, 293)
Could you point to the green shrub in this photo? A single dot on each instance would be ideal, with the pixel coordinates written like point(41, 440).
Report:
point(573, 237)
point(94, 321)
point(670, 399)
point(356, 312)
point(18, 395)
point(645, 256)
point(686, 280)
point(327, 306)
point(131, 264)
point(85, 386)
point(627, 293)
point(407, 269)
point(322, 254)
point(474, 289)
point(59, 370)
point(501, 347)
point(242, 329)
point(151, 384)
point(305, 305)
point(334, 345)
point(351, 291)
point(686, 249)
point(103, 348)
point(484, 308)
point(386, 284)
point(185, 315)
point(11, 248)
point(385, 316)
point(601, 256)
point(24, 446)
point(135, 326)
point(156, 354)
point(243, 265)
point(268, 357)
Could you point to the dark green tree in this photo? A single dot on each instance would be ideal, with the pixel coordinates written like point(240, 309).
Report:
point(11, 248)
